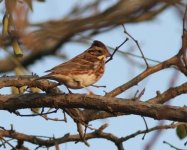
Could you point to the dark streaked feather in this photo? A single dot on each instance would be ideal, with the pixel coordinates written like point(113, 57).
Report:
point(84, 62)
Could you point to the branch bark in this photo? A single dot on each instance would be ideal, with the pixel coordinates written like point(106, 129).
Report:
point(109, 104)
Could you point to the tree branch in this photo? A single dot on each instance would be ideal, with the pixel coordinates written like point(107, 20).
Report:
point(112, 105)
point(66, 138)
point(166, 64)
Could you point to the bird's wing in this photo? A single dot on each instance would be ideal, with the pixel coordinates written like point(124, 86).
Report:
point(83, 62)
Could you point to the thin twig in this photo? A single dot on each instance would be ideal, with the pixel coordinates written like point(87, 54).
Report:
point(5, 141)
point(116, 49)
point(65, 118)
point(138, 95)
point(185, 143)
point(165, 142)
point(52, 119)
point(184, 17)
point(137, 56)
point(99, 86)
point(171, 126)
point(145, 126)
point(86, 39)
point(36, 114)
point(161, 66)
point(182, 52)
point(81, 134)
point(125, 31)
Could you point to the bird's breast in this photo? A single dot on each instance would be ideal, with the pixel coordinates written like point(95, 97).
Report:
point(83, 78)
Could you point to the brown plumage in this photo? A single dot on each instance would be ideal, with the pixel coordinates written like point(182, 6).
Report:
point(82, 70)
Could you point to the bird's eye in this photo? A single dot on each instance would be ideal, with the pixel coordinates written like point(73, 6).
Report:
point(99, 51)
point(96, 52)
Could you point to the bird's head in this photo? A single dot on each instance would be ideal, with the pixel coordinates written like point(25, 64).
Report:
point(99, 50)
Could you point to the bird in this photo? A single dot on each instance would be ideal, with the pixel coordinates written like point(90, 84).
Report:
point(83, 70)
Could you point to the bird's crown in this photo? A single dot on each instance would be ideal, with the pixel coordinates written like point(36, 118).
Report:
point(98, 49)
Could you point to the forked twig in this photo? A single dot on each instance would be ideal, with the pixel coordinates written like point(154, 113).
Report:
point(125, 31)
point(87, 40)
point(116, 49)
point(7, 142)
point(172, 146)
point(35, 114)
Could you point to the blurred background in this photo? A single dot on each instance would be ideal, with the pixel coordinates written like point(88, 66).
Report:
point(52, 32)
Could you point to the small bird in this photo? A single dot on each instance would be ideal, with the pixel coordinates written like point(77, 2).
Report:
point(83, 70)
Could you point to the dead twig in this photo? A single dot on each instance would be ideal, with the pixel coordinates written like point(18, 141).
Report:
point(116, 49)
point(172, 146)
point(125, 31)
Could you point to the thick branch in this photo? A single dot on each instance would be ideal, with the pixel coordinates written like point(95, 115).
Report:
point(159, 99)
point(166, 64)
point(113, 105)
point(169, 94)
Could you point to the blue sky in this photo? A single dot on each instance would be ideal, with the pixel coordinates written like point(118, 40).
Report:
point(159, 39)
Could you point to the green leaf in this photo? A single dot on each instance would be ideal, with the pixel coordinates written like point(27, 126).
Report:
point(181, 131)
